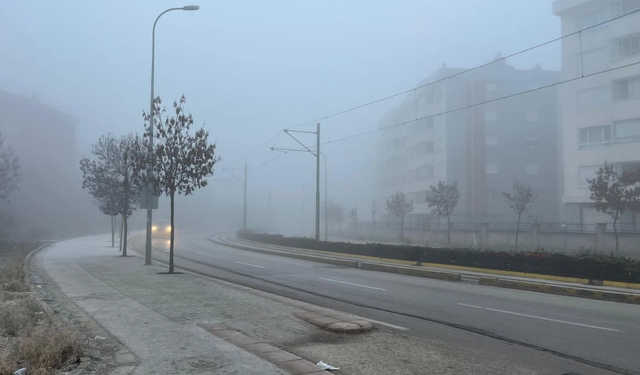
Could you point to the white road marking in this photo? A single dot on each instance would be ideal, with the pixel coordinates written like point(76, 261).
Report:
point(539, 317)
point(387, 324)
point(344, 282)
point(252, 265)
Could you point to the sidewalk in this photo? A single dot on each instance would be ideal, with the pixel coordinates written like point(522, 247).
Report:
point(162, 320)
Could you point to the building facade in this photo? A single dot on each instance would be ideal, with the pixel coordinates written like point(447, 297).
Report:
point(471, 130)
point(600, 103)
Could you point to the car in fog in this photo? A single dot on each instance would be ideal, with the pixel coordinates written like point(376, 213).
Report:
point(161, 228)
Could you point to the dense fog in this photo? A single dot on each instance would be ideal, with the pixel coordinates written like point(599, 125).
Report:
point(370, 73)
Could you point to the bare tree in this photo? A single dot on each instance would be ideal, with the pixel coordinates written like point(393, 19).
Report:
point(109, 206)
point(519, 200)
point(113, 177)
point(398, 205)
point(182, 161)
point(614, 194)
point(336, 214)
point(353, 214)
point(9, 170)
point(373, 207)
point(443, 201)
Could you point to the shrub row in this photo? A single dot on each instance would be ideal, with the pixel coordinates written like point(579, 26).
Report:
point(592, 266)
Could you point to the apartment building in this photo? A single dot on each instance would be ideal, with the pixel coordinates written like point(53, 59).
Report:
point(600, 105)
point(482, 147)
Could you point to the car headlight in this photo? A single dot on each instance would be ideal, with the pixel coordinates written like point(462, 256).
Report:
point(154, 228)
point(168, 229)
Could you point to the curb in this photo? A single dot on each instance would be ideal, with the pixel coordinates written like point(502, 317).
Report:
point(452, 267)
point(285, 360)
point(125, 360)
point(447, 276)
point(336, 323)
point(560, 290)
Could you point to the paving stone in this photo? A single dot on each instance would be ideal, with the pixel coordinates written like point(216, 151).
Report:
point(322, 321)
point(278, 356)
point(260, 348)
point(300, 367)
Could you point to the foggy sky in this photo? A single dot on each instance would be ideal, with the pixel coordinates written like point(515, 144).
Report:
point(250, 69)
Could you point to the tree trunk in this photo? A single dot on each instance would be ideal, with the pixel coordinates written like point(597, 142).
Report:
point(113, 231)
point(373, 225)
point(402, 227)
point(339, 228)
point(615, 229)
point(125, 234)
point(171, 266)
point(448, 230)
point(518, 229)
point(121, 232)
point(354, 228)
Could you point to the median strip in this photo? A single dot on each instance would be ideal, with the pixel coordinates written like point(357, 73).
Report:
point(562, 290)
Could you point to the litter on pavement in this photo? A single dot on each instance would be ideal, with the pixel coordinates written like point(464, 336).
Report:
point(327, 367)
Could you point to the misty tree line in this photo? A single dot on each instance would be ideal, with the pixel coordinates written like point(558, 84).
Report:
point(612, 193)
point(180, 161)
point(9, 170)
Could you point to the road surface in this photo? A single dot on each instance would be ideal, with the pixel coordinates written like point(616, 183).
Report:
point(603, 334)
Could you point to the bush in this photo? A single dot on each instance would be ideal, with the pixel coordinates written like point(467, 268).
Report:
point(49, 348)
point(586, 266)
point(13, 276)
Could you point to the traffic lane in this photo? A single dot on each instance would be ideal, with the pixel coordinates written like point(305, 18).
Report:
point(539, 362)
point(588, 312)
point(563, 329)
point(563, 308)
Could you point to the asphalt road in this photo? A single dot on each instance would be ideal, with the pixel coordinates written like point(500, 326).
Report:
point(604, 334)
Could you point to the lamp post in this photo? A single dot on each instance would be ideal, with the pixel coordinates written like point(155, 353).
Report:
point(147, 252)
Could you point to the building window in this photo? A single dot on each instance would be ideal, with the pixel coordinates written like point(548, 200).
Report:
point(531, 143)
point(628, 130)
point(491, 128)
point(592, 99)
point(532, 116)
point(491, 168)
point(596, 136)
point(628, 88)
point(622, 7)
point(490, 116)
point(585, 173)
point(426, 171)
point(491, 141)
point(492, 195)
point(533, 169)
point(626, 47)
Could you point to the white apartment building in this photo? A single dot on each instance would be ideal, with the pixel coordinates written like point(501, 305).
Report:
point(599, 110)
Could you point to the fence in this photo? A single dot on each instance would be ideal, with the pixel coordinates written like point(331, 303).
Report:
point(510, 226)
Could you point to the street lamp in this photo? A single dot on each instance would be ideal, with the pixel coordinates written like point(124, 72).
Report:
point(147, 252)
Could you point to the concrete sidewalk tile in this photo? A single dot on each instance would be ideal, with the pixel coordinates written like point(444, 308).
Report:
point(122, 370)
point(235, 337)
point(211, 327)
point(260, 347)
point(278, 356)
point(308, 315)
point(299, 367)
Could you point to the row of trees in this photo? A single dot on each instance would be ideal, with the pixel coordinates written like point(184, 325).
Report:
point(611, 192)
point(180, 160)
point(442, 201)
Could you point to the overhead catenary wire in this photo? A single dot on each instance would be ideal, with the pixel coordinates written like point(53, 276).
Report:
point(503, 58)
point(483, 103)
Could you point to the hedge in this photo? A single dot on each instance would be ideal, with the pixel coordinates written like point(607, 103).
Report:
point(591, 266)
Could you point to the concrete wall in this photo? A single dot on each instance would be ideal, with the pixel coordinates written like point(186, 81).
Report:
point(569, 242)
